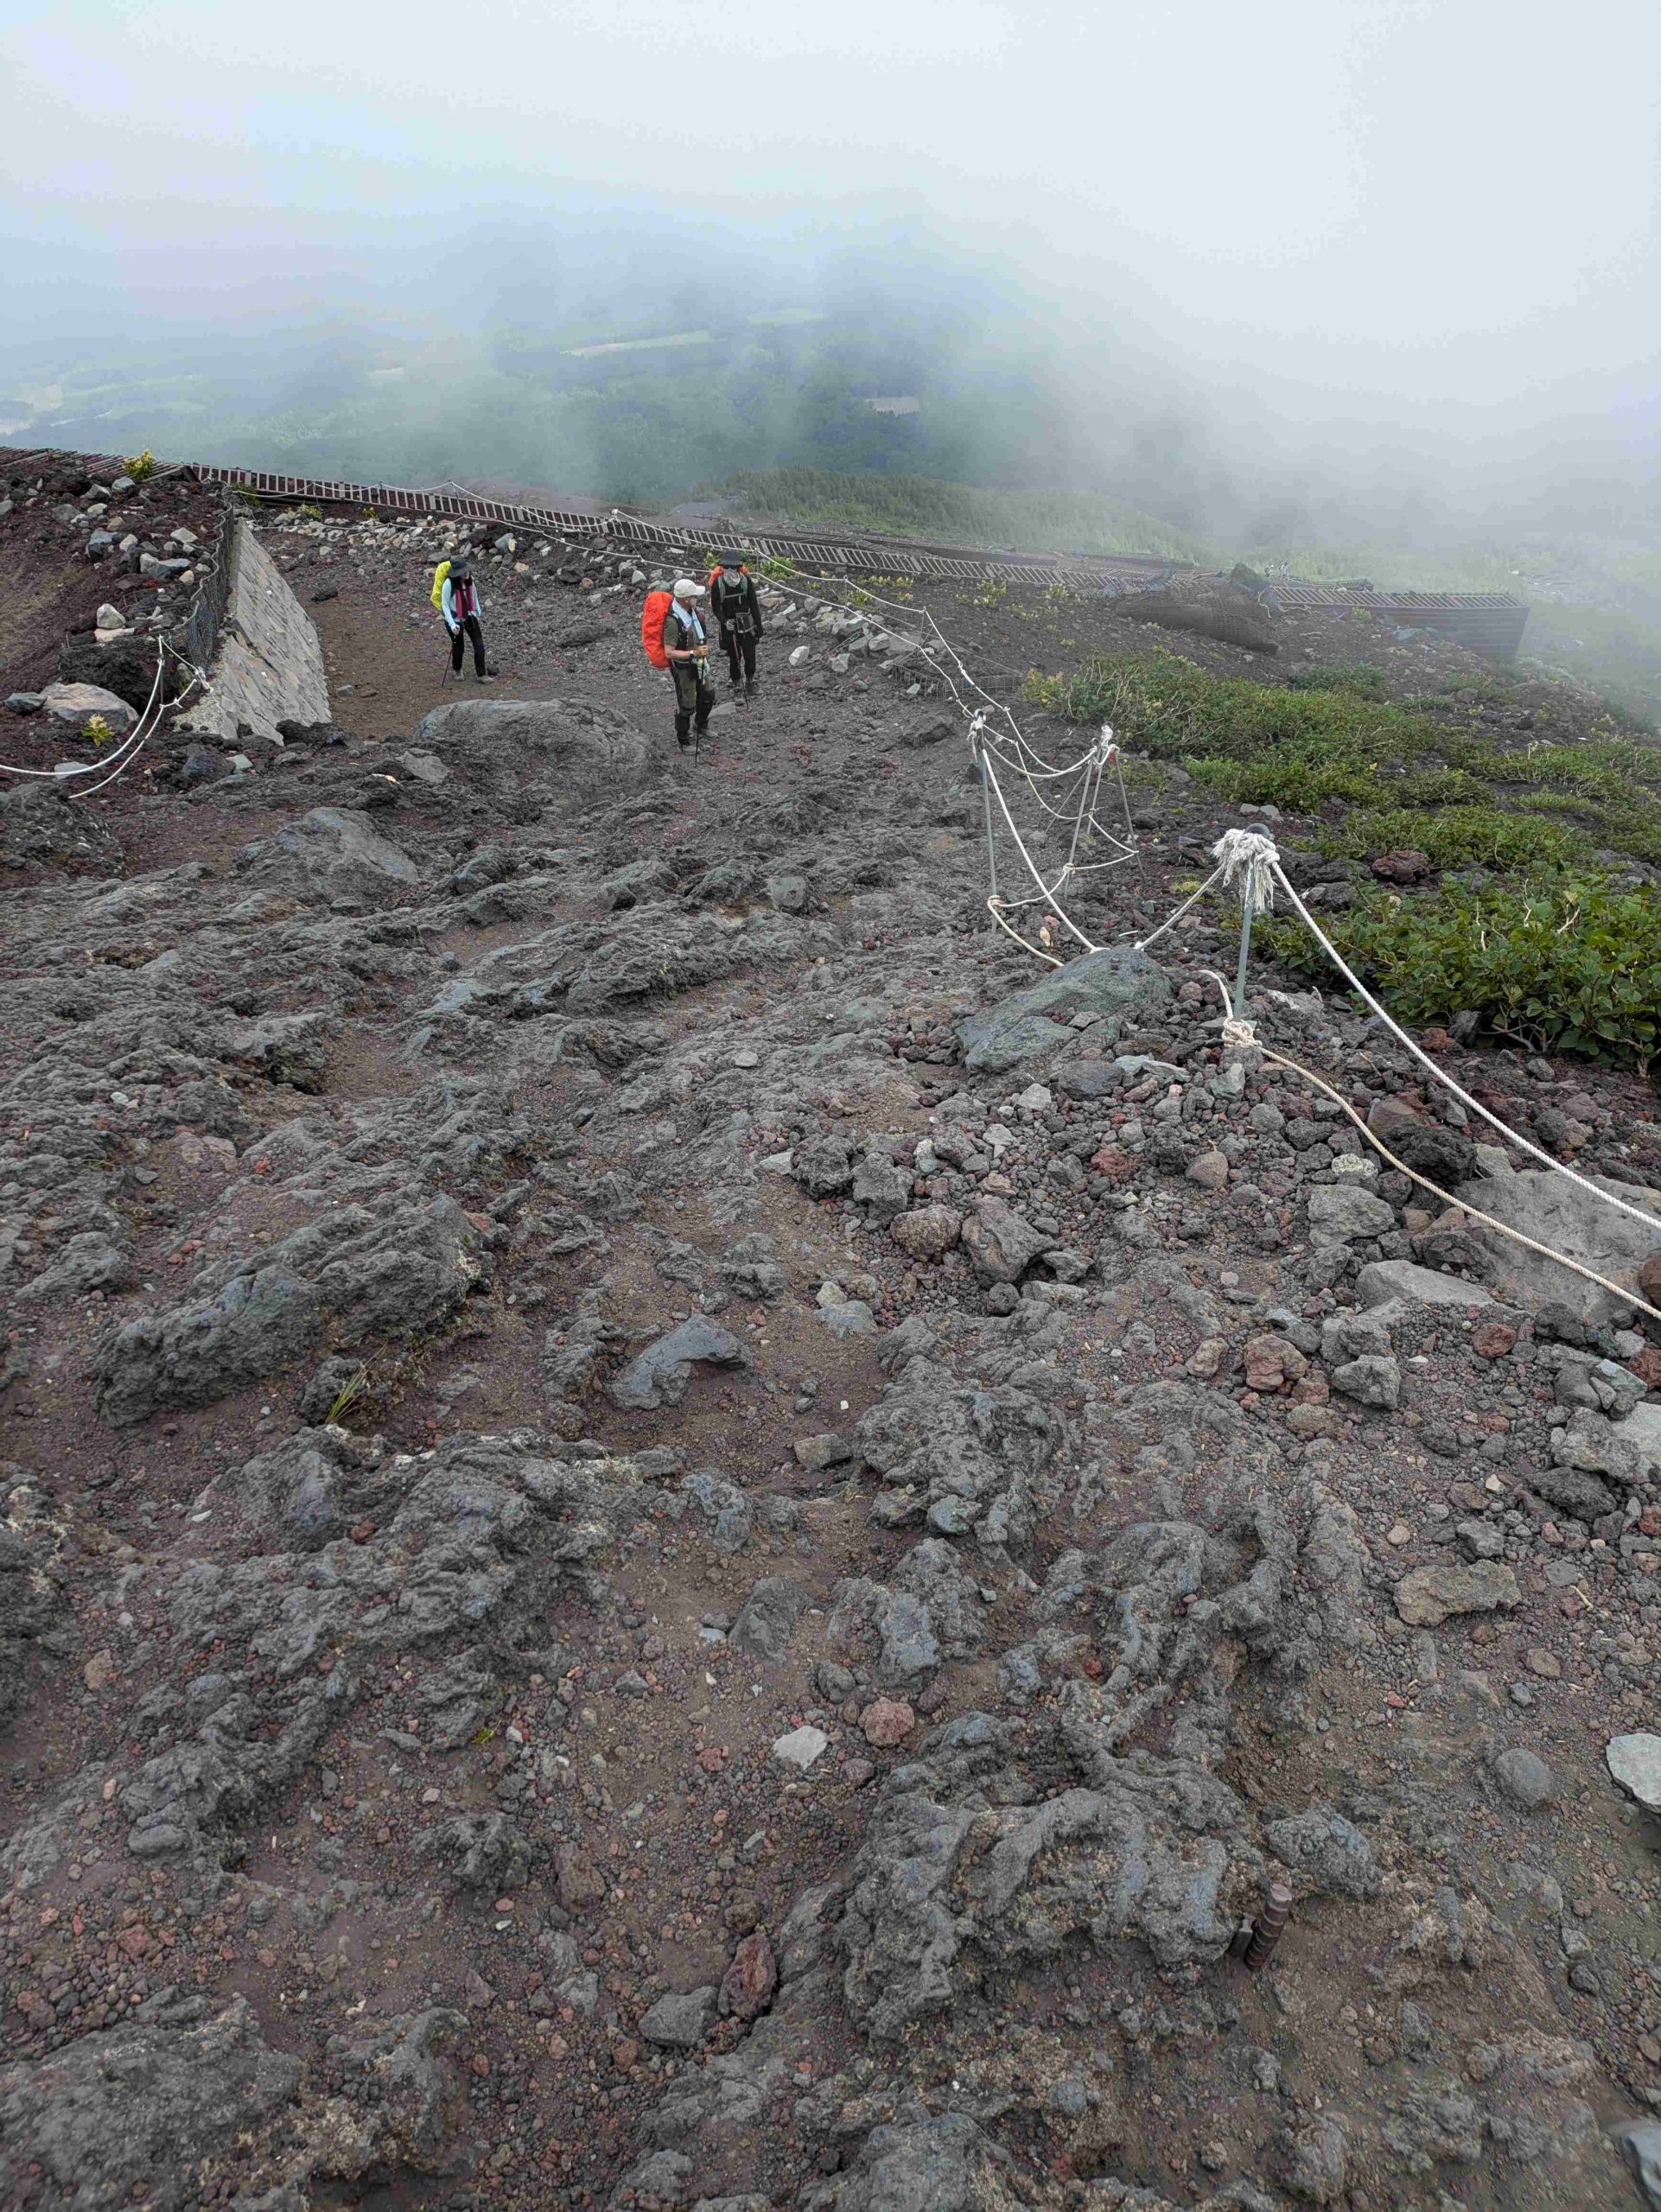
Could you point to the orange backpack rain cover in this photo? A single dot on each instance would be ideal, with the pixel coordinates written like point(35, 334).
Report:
point(654, 614)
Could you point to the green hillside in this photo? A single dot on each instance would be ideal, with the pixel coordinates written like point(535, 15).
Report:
point(962, 514)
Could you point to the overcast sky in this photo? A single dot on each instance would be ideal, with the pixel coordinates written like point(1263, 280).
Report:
point(1427, 202)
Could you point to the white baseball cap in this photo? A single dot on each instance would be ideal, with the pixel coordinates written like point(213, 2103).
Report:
point(685, 589)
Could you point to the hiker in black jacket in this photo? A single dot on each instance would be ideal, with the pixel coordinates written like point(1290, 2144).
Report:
point(737, 607)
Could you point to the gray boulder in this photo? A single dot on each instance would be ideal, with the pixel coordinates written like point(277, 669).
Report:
point(1635, 1762)
point(1119, 981)
point(1341, 1212)
point(940, 2164)
point(88, 1261)
point(586, 751)
point(333, 852)
point(766, 1619)
point(942, 1892)
point(1524, 1778)
point(77, 703)
point(1638, 2142)
point(660, 1375)
point(1385, 1282)
point(1000, 1244)
point(1555, 1211)
point(1374, 1379)
point(1443, 1156)
point(975, 1458)
point(1625, 1452)
point(881, 1186)
point(1323, 1845)
point(397, 1274)
point(131, 2113)
point(1572, 1491)
point(681, 2020)
point(480, 1851)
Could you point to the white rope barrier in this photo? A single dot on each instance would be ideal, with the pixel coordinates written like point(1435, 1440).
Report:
point(1584, 1183)
point(1247, 865)
point(63, 769)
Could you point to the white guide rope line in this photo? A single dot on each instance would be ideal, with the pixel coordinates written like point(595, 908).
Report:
point(62, 769)
point(1637, 1213)
point(1251, 861)
point(998, 741)
point(115, 764)
point(1247, 863)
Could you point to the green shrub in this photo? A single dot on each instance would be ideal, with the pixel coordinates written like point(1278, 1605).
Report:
point(1473, 688)
point(1168, 706)
point(1358, 676)
point(1303, 750)
point(1454, 837)
point(139, 466)
point(966, 514)
point(1565, 963)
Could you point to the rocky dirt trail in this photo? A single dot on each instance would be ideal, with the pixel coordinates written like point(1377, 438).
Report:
point(676, 1535)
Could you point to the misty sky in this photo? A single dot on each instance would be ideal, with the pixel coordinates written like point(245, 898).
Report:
point(1412, 203)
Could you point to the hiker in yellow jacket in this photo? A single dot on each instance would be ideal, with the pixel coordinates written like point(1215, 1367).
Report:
point(460, 605)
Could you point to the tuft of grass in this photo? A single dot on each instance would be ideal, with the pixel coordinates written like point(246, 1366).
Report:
point(1567, 963)
point(139, 466)
point(97, 731)
point(1475, 688)
point(346, 1397)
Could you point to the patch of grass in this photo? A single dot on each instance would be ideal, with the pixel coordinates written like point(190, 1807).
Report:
point(139, 466)
point(1303, 750)
point(1564, 963)
point(1473, 688)
point(964, 514)
point(1454, 836)
point(346, 1397)
point(1358, 676)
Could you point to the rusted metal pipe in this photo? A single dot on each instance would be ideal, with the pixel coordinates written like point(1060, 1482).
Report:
point(1266, 1929)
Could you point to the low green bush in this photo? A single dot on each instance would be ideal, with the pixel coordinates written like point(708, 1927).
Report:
point(1454, 836)
point(1358, 676)
point(1302, 749)
point(1564, 964)
point(1475, 688)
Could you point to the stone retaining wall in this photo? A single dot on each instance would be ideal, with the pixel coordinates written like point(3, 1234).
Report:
point(269, 667)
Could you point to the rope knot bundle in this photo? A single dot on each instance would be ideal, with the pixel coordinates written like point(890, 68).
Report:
point(1248, 861)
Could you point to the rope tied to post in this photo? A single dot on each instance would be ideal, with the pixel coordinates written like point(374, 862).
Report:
point(1247, 863)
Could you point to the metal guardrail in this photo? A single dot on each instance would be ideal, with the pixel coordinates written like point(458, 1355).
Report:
point(847, 551)
point(204, 623)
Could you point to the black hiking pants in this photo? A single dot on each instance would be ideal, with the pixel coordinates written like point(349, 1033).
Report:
point(692, 697)
point(470, 627)
point(741, 647)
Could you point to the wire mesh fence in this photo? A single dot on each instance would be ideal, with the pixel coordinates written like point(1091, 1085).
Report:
point(200, 633)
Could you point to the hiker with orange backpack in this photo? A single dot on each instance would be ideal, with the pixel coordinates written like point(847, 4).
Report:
point(672, 637)
point(460, 605)
point(737, 607)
